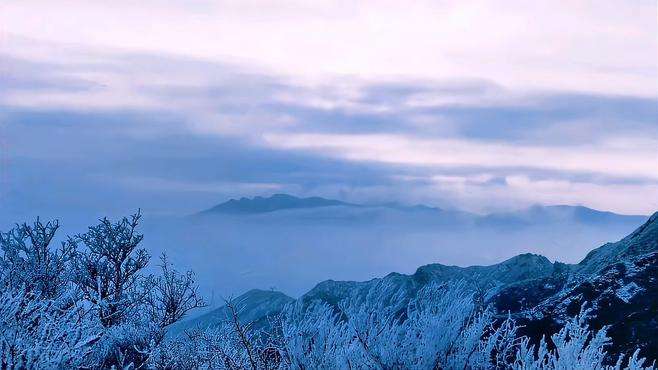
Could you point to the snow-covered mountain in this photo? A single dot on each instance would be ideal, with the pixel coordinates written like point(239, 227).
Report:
point(619, 282)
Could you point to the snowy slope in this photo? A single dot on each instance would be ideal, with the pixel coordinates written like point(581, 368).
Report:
point(255, 306)
point(618, 280)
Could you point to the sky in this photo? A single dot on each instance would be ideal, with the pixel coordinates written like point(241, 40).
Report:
point(174, 106)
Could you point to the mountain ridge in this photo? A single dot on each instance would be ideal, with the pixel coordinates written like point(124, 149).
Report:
point(280, 201)
point(259, 305)
point(539, 293)
point(273, 203)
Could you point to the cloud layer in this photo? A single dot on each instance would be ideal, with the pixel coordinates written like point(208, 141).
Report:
point(593, 46)
point(464, 106)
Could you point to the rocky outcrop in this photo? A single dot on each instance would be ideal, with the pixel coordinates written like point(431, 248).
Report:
point(618, 282)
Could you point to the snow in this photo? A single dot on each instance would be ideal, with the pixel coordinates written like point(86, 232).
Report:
point(628, 291)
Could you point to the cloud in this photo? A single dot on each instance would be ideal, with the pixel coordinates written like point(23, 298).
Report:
point(63, 163)
point(613, 158)
point(175, 135)
point(603, 47)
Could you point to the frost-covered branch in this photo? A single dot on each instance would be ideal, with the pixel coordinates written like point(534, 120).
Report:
point(107, 270)
point(169, 296)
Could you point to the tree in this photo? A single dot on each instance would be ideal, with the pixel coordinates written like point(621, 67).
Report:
point(108, 270)
point(29, 263)
point(171, 295)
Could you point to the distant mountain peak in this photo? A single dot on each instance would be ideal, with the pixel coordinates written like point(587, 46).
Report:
point(272, 203)
point(404, 207)
point(542, 214)
point(533, 215)
point(278, 202)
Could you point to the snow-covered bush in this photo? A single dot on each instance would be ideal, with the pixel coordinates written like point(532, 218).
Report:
point(43, 322)
point(29, 262)
point(45, 333)
point(440, 328)
point(229, 345)
point(316, 337)
point(170, 295)
point(107, 269)
point(575, 347)
point(87, 303)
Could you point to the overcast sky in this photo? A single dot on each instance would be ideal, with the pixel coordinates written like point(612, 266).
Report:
point(174, 106)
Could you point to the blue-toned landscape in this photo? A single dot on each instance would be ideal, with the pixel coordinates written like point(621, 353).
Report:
point(274, 185)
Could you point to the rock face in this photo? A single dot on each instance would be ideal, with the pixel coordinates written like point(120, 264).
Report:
point(618, 282)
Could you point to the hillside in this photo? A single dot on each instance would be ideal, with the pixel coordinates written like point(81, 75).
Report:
point(255, 306)
point(617, 280)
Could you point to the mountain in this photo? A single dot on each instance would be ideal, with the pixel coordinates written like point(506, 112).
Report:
point(255, 307)
point(537, 215)
point(273, 203)
point(533, 215)
point(521, 267)
point(617, 281)
point(280, 202)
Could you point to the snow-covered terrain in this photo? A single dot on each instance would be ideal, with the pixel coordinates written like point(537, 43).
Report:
point(92, 303)
point(615, 284)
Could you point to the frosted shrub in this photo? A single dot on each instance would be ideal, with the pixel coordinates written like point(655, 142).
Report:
point(440, 328)
point(126, 345)
point(576, 347)
point(44, 333)
point(30, 263)
point(229, 345)
point(107, 269)
point(43, 323)
point(86, 304)
point(315, 337)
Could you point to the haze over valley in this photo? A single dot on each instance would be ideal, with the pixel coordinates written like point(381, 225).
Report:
point(290, 243)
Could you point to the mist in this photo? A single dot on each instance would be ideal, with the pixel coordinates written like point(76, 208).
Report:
point(292, 250)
